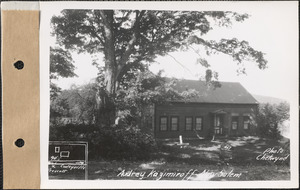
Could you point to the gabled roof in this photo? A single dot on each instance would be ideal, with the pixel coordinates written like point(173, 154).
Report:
point(229, 92)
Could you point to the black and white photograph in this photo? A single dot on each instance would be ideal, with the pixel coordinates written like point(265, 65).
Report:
point(197, 94)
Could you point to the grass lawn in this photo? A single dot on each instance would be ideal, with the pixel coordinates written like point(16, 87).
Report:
point(203, 160)
point(199, 160)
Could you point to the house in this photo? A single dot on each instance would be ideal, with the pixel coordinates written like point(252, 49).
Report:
point(225, 111)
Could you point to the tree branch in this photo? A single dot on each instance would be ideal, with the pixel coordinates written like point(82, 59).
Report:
point(92, 29)
point(180, 63)
point(126, 17)
point(103, 16)
point(205, 43)
point(97, 36)
point(131, 42)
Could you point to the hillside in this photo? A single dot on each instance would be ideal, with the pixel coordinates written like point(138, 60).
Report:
point(267, 99)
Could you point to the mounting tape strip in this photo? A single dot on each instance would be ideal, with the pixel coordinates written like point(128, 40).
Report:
point(20, 95)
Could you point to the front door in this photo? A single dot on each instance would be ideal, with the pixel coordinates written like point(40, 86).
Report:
point(218, 124)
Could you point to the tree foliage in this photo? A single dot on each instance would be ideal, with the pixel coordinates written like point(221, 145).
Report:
point(61, 65)
point(140, 36)
point(76, 105)
point(270, 117)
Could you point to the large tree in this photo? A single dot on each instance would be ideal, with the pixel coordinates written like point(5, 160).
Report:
point(130, 39)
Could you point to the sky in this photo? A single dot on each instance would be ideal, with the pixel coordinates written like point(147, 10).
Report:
point(272, 30)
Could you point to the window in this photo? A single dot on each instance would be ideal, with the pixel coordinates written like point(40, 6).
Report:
point(246, 122)
point(174, 123)
point(163, 124)
point(234, 122)
point(198, 125)
point(188, 123)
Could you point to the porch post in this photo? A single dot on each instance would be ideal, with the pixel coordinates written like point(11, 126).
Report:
point(214, 125)
point(229, 123)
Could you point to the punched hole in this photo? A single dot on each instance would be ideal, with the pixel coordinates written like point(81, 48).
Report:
point(19, 143)
point(19, 65)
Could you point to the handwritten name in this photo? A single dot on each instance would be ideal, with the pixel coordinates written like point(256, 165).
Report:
point(156, 174)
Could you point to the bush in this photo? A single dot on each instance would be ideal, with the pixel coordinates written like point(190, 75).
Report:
point(123, 143)
point(118, 142)
point(270, 117)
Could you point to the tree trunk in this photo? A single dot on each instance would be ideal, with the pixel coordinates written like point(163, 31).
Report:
point(109, 52)
point(105, 110)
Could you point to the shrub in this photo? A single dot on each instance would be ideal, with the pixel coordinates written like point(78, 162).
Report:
point(118, 142)
point(270, 117)
point(123, 142)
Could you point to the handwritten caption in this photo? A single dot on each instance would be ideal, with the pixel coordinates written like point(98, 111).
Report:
point(191, 174)
point(63, 168)
point(273, 154)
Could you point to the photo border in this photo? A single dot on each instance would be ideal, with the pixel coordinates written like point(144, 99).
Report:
point(47, 7)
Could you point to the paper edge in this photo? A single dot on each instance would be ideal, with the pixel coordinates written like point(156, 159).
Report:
point(108, 184)
point(20, 5)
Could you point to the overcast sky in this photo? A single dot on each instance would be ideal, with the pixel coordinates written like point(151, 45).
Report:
point(270, 29)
